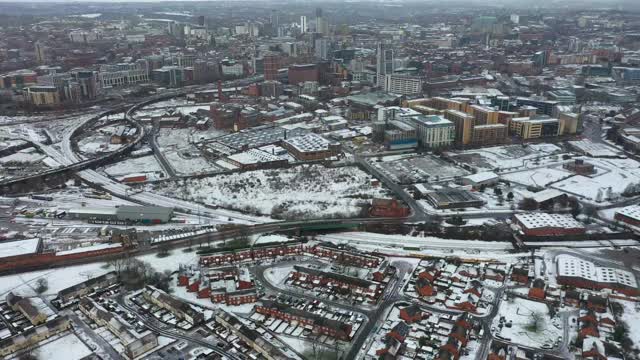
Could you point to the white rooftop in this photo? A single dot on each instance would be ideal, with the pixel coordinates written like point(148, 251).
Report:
point(632, 211)
point(253, 156)
point(309, 142)
point(547, 194)
point(571, 266)
point(482, 176)
point(20, 247)
point(545, 220)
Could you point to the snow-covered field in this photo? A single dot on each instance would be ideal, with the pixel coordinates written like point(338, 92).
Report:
point(630, 317)
point(522, 314)
point(97, 144)
point(144, 164)
point(505, 157)
point(68, 347)
point(189, 164)
point(617, 174)
point(537, 177)
point(28, 155)
point(182, 137)
point(268, 239)
point(311, 191)
point(382, 240)
point(61, 278)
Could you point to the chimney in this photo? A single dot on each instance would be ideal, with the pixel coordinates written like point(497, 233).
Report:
point(220, 97)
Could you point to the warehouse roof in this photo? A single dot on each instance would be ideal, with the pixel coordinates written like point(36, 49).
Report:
point(253, 156)
point(571, 266)
point(632, 211)
point(309, 142)
point(20, 247)
point(545, 220)
point(482, 177)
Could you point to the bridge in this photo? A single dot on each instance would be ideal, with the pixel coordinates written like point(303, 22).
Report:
point(57, 176)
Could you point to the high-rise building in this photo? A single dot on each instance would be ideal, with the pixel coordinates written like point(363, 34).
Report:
point(322, 49)
point(290, 48)
point(384, 63)
point(304, 27)
point(402, 84)
point(271, 66)
point(322, 25)
point(299, 73)
point(275, 22)
point(40, 53)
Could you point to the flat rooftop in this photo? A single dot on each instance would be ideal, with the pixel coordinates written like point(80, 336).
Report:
point(19, 247)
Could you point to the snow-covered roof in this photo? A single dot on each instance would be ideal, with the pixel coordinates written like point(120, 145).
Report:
point(95, 210)
point(253, 156)
point(545, 220)
point(20, 247)
point(481, 177)
point(591, 342)
point(546, 195)
point(309, 142)
point(632, 211)
point(571, 266)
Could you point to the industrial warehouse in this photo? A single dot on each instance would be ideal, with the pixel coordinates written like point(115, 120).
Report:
point(124, 214)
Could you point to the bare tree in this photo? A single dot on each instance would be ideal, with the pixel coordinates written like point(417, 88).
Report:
point(42, 285)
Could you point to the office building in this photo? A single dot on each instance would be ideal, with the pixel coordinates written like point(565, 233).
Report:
point(123, 74)
point(299, 73)
point(433, 131)
point(489, 134)
point(43, 95)
point(322, 49)
point(384, 63)
point(322, 25)
point(402, 84)
point(172, 76)
point(40, 53)
point(271, 65)
point(304, 26)
point(275, 22)
point(544, 106)
point(464, 124)
point(532, 128)
point(232, 68)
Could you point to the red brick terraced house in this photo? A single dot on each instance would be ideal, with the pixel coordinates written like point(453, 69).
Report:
point(319, 324)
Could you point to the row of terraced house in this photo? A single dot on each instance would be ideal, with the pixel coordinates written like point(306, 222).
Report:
point(337, 253)
point(316, 323)
point(230, 285)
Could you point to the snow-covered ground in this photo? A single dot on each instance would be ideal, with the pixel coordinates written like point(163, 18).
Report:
point(268, 239)
point(391, 241)
point(144, 164)
point(630, 317)
point(189, 161)
point(28, 155)
point(310, 191)
point(61, 278)
point(506, 157)
point(67, 347)
point(97, 144)
point(538, 177)
point(617, 174)
point(522, 314)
